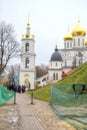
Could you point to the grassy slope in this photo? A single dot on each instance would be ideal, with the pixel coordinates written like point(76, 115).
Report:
point(42, 93)
point(77, 77)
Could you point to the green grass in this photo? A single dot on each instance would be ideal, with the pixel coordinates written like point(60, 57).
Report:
point(77, 77)
point(42, 93)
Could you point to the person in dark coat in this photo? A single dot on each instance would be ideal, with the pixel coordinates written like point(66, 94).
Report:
point(19, 89)
point(23, 88)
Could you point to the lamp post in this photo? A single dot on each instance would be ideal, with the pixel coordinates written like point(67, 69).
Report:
point(32, 98)
point(14, 97)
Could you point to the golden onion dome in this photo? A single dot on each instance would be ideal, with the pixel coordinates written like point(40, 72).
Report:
point(86, 42)
point(68, 36)
point(78, 30)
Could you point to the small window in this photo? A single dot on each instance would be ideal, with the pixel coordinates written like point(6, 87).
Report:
point(56, 63)
point(56, 76)
point(70, 44)
point(65, 63)
point(61, 65)
point(27, 47)
point(67, 44)
point(44, 79)
point(53, 76)
point(27, 63)
point(74, 42)
point(26, 36)
point(82, 42)
point(78, 41)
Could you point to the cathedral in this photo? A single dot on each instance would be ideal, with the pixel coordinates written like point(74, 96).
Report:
point(72, 55)
point(75, 52)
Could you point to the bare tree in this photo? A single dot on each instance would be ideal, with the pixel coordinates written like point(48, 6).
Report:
point(41, 70)
point(13, 73)
point(9, 47)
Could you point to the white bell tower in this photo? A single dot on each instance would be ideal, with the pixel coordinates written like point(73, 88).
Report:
point(27, 67)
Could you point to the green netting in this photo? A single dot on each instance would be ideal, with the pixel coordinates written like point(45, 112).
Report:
point(5, 95)
point(70, 106)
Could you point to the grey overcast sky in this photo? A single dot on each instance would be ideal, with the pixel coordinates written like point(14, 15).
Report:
point(49, 21)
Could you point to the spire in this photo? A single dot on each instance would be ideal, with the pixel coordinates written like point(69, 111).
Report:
point(56, 49)
point(28, 34)
point(78, 19)
point(28, 27)
point(68, 27)
point(28, 23)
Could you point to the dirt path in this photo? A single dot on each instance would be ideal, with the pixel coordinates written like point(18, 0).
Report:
point(9, 117)
point(38, 116)
point(28, 119)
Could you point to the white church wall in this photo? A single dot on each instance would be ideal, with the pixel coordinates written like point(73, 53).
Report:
point(55, 65)
point(22, 78)
point(69, 62)
point(59, 75)
point(31, 61)
point(68, 44)
point(31, 45)
point(51, 73)
point(31, 80)
point(23, 62)
point(81, 41)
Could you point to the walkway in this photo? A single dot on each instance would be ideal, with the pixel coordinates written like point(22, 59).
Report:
point(38, 116)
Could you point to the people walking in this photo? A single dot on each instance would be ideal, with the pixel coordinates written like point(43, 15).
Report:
point(23, 88)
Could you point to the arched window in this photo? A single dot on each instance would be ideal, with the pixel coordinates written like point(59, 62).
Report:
point(27, 63)
point(74, 42)
point(53, 76)
point(78, 41)
point(65, 63)
point(56, 76)
point(27, 47)
point(67, 44)
point(70, 44)
point(56, 63)
point(61, 65)
point(82, 42)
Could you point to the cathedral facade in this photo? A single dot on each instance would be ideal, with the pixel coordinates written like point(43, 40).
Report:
point(71, 56)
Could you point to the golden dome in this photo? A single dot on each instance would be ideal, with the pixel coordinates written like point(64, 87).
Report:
point(68, 36)
point(86, 42)
point(78, 30)
point(30, 36)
